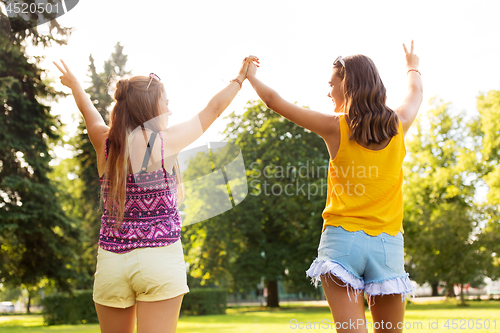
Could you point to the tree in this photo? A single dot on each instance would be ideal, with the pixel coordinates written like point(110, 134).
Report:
point(87, 172)
point(274, 232)
point(486, 129)
point(83, 189)
point(441, 219)
point(37, 238)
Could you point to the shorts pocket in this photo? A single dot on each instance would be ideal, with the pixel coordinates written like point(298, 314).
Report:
point(394, 254)
point(335, 242)
point(154, 264)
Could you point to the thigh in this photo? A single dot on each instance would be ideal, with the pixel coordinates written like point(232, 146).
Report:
point(159, 316)
point(388, 313)
point(348, 311)
point(116, 320)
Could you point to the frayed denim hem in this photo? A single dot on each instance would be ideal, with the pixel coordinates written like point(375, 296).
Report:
point(331, 268)
point(354, 284)
point(394, 286)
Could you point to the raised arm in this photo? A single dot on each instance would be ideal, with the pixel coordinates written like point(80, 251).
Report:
point(408, 111)
point(183, 134)
point(314, 121)
point(96, 127)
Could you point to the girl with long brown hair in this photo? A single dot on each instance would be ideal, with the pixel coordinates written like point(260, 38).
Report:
point(361, 249)
point(141, 273)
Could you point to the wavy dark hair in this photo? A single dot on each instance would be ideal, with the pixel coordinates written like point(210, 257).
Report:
point(370, 119)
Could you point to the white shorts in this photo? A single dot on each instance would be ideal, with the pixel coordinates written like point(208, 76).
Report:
point(145, 274)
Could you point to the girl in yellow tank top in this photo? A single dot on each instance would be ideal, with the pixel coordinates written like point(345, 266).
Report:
point(361, 249)
point(364, 186)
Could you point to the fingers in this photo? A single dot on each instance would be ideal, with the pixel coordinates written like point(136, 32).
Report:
point(255, 60)
point(411, 48)
point(67, 69)
point(62, 71)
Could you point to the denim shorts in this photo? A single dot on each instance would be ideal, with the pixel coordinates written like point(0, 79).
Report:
point(373, 264)
point(146, 274)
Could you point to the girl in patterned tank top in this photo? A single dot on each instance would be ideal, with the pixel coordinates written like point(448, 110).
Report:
point(141, 273)
point(361, 247)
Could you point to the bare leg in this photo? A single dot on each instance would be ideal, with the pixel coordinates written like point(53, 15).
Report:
point(116, 320)
point(159, 316)
point(389, 312)
point(349, 315)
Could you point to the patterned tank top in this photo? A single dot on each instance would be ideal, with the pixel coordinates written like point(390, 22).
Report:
point(151, 216)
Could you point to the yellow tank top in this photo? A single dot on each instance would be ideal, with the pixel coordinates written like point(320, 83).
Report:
point(364, 186)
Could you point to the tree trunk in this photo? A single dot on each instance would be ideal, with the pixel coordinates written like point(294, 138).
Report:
point(435, 286)
point(450, 290)
point(272, 294)
point(28, 305)
point(462, 301)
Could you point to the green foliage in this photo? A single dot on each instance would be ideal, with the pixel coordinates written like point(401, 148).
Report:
point(10, 293)
point(78, 178)
point(487, 133)
point(271, 234)
point(77, 308)
point(204, 301)
point(36, 236)
point(441, 218)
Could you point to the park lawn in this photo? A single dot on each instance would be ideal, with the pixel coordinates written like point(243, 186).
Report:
point(248, 319)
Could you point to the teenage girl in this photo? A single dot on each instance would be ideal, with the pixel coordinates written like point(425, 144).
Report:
point(141, 273)
point(361, 247)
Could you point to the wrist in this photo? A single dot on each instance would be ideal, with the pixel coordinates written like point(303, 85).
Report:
point(250, 76)
point(238, 81)
point(413, 70)
point(241, 77)
point(76, 86)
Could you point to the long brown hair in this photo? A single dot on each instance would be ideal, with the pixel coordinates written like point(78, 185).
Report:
point(136, 106)
point(370, 119)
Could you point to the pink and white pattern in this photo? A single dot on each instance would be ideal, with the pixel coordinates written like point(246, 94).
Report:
point(151, 218)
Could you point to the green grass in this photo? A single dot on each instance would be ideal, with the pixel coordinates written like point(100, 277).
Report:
point(255, 319)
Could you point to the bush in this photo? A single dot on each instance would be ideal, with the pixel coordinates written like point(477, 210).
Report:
point(204, 301)
point(69, 309)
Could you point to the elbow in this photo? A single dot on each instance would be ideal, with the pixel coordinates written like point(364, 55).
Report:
point(416, 88)
point(270, 100)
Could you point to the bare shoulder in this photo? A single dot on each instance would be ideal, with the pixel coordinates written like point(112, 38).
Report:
point(98, 137)
point(332, 140)
point(333, 122)
point(405, 121)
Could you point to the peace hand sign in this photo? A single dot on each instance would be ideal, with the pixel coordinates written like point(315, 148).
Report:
point(411, 58)
point(68, 78)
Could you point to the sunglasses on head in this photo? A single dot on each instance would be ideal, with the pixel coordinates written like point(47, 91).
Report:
point(339, 59)
point(153, 76)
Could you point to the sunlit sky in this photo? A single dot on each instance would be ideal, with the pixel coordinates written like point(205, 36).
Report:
point(196, 47)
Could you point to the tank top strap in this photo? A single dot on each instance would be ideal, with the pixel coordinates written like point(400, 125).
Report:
point(161, 139)
point(344, 129)
point(400, 131)
point(106, 148)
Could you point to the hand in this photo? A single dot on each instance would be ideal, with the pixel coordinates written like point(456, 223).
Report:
point(411, 58)
point(68, 79)
point(242, 75)
point(252, 68)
